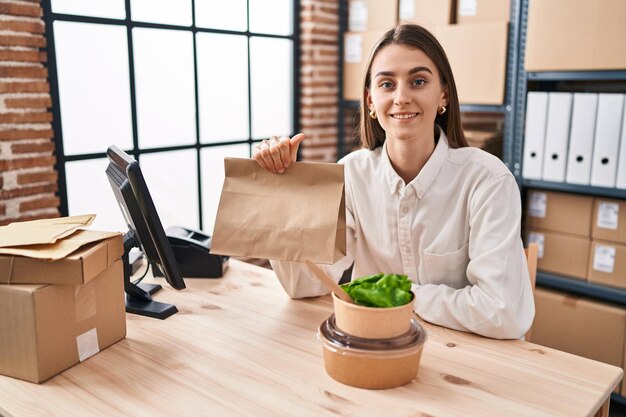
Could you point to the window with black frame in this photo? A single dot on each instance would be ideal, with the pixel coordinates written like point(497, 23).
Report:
point(178, 84)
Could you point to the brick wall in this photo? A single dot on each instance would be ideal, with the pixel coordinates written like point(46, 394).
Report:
point(319, 78)
point(27, 177)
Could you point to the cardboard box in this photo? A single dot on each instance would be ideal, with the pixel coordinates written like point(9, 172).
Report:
point(78, 268)
point(365, 15)
point(580, 326)
point(609, 220)
point(607, 264)
point(575, 35)
point(357, 49)
point(481, 11)
point(622, 385)
point(559, 212)
point(427, 13)
point(560, 253)
point(487, 141)
point(45, 329)
point(478, 80)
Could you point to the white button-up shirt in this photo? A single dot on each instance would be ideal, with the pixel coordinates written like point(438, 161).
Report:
point(454, 230)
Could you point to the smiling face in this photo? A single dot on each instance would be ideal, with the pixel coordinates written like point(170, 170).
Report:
point(405, 92)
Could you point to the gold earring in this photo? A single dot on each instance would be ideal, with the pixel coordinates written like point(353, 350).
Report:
point(441, 110)
point(373, 114)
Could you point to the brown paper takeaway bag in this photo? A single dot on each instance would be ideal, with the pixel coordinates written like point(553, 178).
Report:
point(293, 216)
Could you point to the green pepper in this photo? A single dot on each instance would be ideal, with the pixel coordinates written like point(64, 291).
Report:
point(380, 290)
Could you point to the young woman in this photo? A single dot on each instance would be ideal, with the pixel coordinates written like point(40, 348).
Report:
point(420, 202)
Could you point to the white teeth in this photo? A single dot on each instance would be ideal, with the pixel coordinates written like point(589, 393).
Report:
point(403, 116)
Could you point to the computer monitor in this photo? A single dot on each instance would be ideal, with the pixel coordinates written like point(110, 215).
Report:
point(145, 231)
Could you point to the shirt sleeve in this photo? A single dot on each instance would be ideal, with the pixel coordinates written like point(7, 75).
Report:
point(499, 302)
point(299, 282)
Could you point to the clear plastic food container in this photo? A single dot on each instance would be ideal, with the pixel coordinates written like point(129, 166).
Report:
point(372, 363)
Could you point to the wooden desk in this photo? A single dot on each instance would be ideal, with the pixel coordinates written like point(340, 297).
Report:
point(240, 347)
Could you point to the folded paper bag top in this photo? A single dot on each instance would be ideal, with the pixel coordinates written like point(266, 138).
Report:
point(293, 216)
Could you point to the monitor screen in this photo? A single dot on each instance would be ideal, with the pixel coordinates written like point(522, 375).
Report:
point(140, 213)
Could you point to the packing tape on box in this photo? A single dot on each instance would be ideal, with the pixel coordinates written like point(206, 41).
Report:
point(570, 301)
point(87, 344)
point(3, 277)
point(85, 301)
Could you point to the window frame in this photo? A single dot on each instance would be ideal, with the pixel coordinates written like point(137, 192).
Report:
point(50, 17)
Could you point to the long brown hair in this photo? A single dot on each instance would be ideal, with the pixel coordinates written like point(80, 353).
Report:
point(414, 36)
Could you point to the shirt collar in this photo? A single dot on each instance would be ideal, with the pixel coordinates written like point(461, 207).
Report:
point(426, 176)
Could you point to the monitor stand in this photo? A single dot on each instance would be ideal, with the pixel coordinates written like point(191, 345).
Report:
point(138, 296)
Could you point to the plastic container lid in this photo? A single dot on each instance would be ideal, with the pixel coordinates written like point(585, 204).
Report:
point(335, 337)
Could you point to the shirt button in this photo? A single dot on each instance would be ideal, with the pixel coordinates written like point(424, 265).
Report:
point(405, 210)
point(406, 248)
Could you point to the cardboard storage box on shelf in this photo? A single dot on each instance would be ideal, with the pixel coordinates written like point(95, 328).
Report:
point(357, 48)
point(487, 141)
point(478, 81)
point(576, 35)
point(580, 326)
point(45, 329)
point(559, 212)
point(560, 253)
point(426, 13)
point(609, 220)
point(480, 11)
point(622, 384)
point(607, 264)
point(365, 15)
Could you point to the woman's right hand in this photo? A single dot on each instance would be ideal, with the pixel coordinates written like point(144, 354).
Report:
point(276, 154)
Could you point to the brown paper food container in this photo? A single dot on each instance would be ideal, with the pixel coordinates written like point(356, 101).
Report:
point(373, 322)
point(372, 364)
point(293, 216)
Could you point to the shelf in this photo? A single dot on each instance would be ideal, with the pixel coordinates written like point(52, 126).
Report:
point(618, 399)
point(576, 75)
point(351, 104)
point(575, 188)
point(600, 292)
point(483, 108)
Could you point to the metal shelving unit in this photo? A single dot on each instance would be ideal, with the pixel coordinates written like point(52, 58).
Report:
point(576, 189)
point(524, 78)
point(576, 286)
point(482, 108)
point(576, 75)
point(549, 80)
point(508, 108)
point(342, 104)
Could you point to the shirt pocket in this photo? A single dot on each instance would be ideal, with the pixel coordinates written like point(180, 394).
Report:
point(446, 268)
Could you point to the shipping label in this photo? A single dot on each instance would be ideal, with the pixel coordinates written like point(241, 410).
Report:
point(539, 239)
point(407, 9)
point(608, 214)
point(354, 48)
point(357, 16)
point(468, 7)
point(87, 344)
point(538, 204)
point(604, 259)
